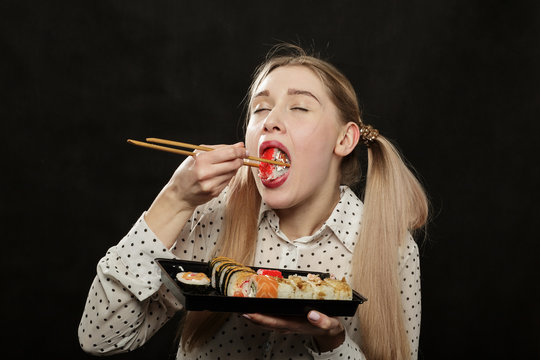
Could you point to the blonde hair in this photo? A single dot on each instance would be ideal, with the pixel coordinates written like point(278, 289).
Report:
point(394, 203)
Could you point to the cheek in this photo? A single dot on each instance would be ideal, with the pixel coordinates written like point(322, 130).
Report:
point(252, 140)
point(318, 141)
point(315, 149)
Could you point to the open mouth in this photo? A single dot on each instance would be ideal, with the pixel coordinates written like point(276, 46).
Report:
point(271, 172)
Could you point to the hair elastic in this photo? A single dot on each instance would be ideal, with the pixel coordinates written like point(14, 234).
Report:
point(368, 134)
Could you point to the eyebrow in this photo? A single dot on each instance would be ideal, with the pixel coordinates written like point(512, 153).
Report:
point(262, 93)
point(302, 92)
point(289, 92)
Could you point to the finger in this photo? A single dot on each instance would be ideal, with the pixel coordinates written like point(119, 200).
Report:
point(270, 323)
point(209, 172)
point(264, 320)
point(324, 322)
point(224, 152)
point(238, 144)
point(222, 160)
point(229, 153)
point(217, 184)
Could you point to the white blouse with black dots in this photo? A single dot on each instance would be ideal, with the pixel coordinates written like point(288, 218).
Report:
point(127, 302)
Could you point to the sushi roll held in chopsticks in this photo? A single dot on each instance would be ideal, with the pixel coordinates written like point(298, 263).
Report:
point(194, 282)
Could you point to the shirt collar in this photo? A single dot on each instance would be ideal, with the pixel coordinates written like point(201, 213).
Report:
point(344, 221)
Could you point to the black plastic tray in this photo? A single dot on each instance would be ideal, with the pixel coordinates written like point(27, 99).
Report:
point(220, 303)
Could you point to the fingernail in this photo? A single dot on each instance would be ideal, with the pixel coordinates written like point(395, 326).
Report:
point(314, 316)
point(246, 316)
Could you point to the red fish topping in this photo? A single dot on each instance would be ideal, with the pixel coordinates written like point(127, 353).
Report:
point(274, 273)
point(271, 171)
point(267, 287)
point(266, 169)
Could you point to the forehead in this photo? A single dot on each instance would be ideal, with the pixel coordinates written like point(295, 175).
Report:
point(291, 77)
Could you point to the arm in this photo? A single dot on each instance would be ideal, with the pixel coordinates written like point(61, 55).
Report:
point(196, 181)
point(411, 293)
point(127, 303)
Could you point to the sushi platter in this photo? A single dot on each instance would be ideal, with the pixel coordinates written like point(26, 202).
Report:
point(212, 300)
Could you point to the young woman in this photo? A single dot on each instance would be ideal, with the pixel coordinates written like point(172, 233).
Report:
point(301, 217)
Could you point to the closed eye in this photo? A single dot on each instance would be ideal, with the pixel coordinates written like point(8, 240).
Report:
point(259, 110)
point(299, 108)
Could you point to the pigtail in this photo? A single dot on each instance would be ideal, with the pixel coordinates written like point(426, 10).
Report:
point(239, 237)
point(394, 203)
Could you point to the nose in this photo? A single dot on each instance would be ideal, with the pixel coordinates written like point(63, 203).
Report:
point(273, 123)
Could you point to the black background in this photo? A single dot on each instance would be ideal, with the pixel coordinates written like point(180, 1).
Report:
point(454, 83)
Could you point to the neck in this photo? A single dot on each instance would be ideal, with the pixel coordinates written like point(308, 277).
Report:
point(306, 218)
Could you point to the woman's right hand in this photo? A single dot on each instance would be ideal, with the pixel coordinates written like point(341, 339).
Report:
point(196, 181)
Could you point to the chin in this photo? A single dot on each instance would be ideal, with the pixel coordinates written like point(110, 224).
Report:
point(276, 199)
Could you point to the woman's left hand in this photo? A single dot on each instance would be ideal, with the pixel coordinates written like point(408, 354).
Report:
point(327, 331)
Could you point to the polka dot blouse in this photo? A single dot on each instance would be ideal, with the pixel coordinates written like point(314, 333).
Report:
point(127, 302)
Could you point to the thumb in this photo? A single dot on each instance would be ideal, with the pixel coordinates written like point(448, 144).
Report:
point(324, 322)
point(314, 317)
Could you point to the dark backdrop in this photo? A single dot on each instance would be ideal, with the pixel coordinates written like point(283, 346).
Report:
point(455, 83)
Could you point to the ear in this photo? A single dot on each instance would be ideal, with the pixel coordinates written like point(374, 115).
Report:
point(348, 139)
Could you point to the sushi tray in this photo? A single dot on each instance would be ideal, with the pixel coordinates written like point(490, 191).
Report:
point(211, 300)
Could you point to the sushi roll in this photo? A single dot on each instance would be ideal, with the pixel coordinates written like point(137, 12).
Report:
point(228, 276)
point(313, 287)
point(265, 286)
point(262, 286)
point(286, 288)
point(321, 289)
point(341, 290)
point(232, 278)
point(303, 289)
point(269, 172)
point(236, 281)
point(194, 282)
point(217, 265)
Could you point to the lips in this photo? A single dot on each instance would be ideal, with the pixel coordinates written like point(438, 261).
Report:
point(273, 175)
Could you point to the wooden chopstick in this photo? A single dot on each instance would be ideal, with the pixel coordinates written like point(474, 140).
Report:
point(178, 144)
point(204, 148)
point(162, 148)
point(196, 147)
point(175, 151)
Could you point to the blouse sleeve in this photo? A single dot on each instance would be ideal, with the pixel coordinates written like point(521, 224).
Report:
point(127, 302)
point(349, 349)
point(409, 273)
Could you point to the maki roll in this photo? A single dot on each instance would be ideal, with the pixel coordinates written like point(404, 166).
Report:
point(217, 265)
point(303, 289)
point(341, 290)
point(236, 281)
point(231, 278)
point(263, 286)
point(313, 287)
point(194, 282)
